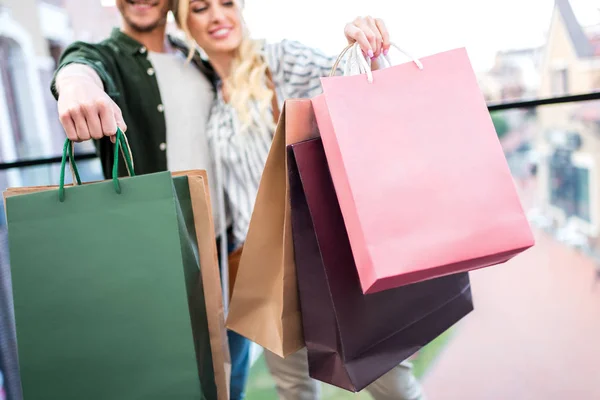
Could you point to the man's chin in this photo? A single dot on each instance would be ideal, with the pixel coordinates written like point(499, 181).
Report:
point(145, 27)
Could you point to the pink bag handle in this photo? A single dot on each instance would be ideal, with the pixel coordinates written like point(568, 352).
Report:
point(364, 64)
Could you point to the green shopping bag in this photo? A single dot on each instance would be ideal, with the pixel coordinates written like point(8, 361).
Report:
point(99, 290)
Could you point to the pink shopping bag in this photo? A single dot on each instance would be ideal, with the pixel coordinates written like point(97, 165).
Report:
point(420, 176)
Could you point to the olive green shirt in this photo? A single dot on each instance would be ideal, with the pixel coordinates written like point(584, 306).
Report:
point(129, 78)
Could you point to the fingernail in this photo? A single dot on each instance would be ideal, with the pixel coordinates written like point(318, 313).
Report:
point(370, 53)
point(385, 52)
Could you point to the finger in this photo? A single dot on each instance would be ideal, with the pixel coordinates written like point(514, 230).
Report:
point(69, 126)
point(107, 119)
point(92, 118)
point(385, 35)
point(81, 127)
point(119, 118)
point(356, 34)
point(378, 37)
point(370, 35)
point(370, 21)
point(118, 115)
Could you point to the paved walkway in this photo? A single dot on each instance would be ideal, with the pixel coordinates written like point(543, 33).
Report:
point(534, 334)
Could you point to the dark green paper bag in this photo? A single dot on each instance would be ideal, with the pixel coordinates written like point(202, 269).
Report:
point(99, 290)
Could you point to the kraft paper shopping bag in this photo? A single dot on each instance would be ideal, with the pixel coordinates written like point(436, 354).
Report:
point(264, 303)
point(199, 243)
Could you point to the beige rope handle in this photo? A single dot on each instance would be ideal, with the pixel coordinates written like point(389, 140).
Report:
point(339, 59)
point(364, 61)
point(122, 153)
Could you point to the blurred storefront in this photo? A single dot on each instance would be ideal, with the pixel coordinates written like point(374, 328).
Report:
point(33, 34)
point(568, 137)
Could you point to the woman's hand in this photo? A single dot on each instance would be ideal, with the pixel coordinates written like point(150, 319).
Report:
point(370, 33)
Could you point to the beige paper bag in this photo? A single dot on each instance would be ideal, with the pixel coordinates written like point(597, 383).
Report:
point(264, 304)
point(213, 295)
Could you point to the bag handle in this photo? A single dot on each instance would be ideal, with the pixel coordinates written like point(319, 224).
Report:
point(364, 64)
point(121, 144)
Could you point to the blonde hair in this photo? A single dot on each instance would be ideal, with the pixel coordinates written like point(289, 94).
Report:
point(248, 72)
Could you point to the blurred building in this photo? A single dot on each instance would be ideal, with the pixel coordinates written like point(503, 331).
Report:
point(515, 75)
point(569, 134)
point(33, 34)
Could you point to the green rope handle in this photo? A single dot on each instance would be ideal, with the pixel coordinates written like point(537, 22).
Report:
point(67, 153)
point(126, 151)
point(74, 170)
point(121, 144)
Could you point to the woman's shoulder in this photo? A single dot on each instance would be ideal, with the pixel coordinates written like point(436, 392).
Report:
point(283, 48)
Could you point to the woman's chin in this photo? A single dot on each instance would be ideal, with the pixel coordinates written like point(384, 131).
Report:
point(224, 46)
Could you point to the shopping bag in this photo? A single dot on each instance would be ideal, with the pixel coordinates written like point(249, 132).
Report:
point(264, 302)
point(198, 198)
point(353, 339)
point(420, 176)
point(195, 203)
point(198, 245)
point(99, 283)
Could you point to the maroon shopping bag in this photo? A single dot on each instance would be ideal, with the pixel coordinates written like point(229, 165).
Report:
point(352, 338)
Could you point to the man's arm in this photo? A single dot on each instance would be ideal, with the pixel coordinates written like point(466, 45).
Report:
point(86, 111)
point(75, 71)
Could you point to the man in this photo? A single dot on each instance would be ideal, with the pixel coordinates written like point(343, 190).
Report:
point(139, 76)
point(138, 80)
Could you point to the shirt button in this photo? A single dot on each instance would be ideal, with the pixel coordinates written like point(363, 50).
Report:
point(143, 50)
point(160, 108)
point(163, 146)
point(150, 71)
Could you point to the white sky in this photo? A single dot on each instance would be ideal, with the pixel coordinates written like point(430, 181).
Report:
point(422, 27)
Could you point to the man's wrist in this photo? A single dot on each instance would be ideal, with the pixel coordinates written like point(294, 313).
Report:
point(76, 74)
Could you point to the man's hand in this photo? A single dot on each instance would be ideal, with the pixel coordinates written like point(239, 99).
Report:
point(85, 110)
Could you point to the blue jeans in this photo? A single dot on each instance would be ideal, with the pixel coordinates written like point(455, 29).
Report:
point(239, 349)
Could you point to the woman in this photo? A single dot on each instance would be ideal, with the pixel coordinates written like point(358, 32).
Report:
point(240, 132)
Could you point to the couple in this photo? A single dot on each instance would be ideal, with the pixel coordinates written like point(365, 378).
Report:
point(183, 112)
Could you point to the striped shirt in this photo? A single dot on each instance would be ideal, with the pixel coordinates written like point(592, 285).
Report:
point(240, 157)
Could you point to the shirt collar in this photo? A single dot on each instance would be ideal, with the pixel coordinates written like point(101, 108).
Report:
point(132, 46)
point(126, 42)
